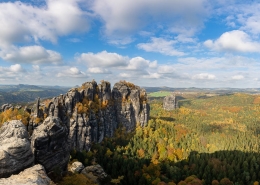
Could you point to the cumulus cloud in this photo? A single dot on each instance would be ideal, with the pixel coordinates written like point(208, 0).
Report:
point(138, 63)
point(162, 46)
point(98, 70)
point(237, 77)
point(123, 18)
point(103, 59)
point(14, 72)
point(31, 54)
point(22, 22)
point(204, 76)
point(235, 40)
point(72, 72)
point(125, 75)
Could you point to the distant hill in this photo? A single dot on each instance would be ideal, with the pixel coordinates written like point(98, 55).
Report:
point(204, 90)
point(23, 93)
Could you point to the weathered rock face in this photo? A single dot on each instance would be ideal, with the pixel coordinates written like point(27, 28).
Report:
point(49, 144)
point(31, 176)
point(130, 105)
point(96, 173)
point(170, 102)
point(15, 151)
point(93, 111)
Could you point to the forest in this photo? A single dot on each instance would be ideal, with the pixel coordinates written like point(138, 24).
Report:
point(207, 140)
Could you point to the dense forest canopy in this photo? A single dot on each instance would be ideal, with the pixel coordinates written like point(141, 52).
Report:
point(208, 140)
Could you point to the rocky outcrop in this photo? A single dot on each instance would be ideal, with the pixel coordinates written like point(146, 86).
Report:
point(130, 105)
point(170, 102)
point(76, 167)
point(6, 106)
point(93, 111)
point(31, 176)
point(15, 151)
point(72, 121)
point(49, 145)
point(96, 173)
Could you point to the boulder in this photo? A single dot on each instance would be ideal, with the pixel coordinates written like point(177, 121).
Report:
point(76, 167)
point(6, 106)
point(170, 102)
point(31, 176)
point(49, 145)
point(15, 151)
point(96, 173)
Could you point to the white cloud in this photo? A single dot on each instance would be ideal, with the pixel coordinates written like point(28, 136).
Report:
point(21, 22)
point(36, 67)
point(162, 46)
point(72, 72)
point(235, 40)
point(16, 68)
point(237, 77)
point(14, 72)
point(138, 63)
point(204, 76)
point(103, 59)
point(98, 70)
point(125, 75)
point(30, 54)
point(165, 69)
point(126, 17)
point(153, 76)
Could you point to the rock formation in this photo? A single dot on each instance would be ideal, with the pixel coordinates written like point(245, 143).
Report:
point(76, 167)
point(6, 106)
point(15, 151)
point(95, 173)
point(170, 102)
point(49, 145)
point(93, 111)
point(130, 105)
point(31, 176)
point(70, 122)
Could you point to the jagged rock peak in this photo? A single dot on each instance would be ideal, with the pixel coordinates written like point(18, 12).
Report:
point(92, 111)
point(15, 151)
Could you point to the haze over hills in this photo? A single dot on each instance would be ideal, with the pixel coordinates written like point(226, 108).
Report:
point(27, 93)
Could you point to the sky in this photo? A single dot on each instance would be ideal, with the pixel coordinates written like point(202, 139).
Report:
point(175, 43)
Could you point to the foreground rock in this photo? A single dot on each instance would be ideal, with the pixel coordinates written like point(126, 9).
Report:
point(15, 151)
point(49, 145)
point(96, 173)
point(31, 176)
point(170, 102)
point(76, 167)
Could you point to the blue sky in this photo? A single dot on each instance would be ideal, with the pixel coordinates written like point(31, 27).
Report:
point(176, 43)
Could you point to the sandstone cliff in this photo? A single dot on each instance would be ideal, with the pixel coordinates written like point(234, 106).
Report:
point(93, 111)
point(72, 121)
